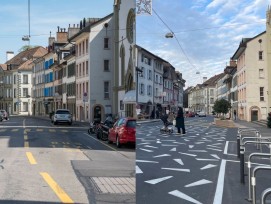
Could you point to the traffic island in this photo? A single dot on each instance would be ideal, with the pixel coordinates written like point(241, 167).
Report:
point(224, 123)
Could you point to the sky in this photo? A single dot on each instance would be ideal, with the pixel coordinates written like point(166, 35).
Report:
point(45, 16)
point(206, 33)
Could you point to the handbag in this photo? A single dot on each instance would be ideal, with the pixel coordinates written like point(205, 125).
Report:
point(174, 122)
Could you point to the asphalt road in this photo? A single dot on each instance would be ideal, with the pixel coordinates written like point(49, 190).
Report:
point(199, 167)
point(43, 163)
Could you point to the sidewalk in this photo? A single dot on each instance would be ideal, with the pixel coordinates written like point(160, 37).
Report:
point(264, 130)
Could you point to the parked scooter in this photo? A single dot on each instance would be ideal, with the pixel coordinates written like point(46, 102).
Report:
point(103, 128)
point(94, 126)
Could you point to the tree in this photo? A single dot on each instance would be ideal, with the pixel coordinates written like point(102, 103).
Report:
point(222, 106)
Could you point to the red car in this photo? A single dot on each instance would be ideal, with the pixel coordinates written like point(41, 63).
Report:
point(123, 132)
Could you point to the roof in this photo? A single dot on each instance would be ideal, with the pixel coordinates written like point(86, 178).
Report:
point(3, 66)
point(212, 81)
point(31, 53)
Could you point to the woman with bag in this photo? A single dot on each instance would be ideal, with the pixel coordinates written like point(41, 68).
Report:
point(180, 121)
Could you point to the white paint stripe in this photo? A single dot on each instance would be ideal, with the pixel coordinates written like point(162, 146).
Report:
point(183, 196)
point(178, 161)
point(218, 143)
point(191, 150)
point(176, 169)
point(215, 156)
point(173, 149)
point(201, 159)
point(155, 181)
point(191, 146)
point(138, 170)
point(146, 161)
point(220, 183)
point(219, 150)
point(226, 147)
point(168, 140)
point(232, 155)
point(162, 155)
point(178, 143)
point(186, 140)
point(199, 142)
point(197, 183)
point(150, 146)
point(169, 145)
point(146, 150)
point(145, 143)
point(158, 142)
point(192, 155)
point(208, 166)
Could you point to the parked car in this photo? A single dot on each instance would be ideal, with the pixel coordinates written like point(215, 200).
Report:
point(62, 116)
point(189, 114)
point(5, 114)
point(123, 132)
point(202, 114)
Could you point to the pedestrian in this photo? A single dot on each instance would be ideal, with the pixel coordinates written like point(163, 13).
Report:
point(157, 114)
point(171, 117)
point(234, 113)
point(180, 121)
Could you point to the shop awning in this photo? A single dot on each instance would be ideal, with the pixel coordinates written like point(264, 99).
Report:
point(130, 97)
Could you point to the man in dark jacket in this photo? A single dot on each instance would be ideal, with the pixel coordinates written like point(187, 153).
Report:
point(180, 121)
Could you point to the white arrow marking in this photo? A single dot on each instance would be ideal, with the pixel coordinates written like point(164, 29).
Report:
point(191, 146)
point(208, 166)
point(219, 150)
point(192, 155)
point(199, 142)
point(215, 156)
point(162, 155)
point(178, 161)
point(192, 150)
point(197, 134)
point(176, 169)
point(158, 142)
point(183, 196)
point(218, 143)
point(146, 150)
point(178, 143)
point(169, 145)
point(145, 143)
point(150, 146)
point(173, 149)
point(155, 181)
point(197, 183)
point(146, 161)
point(138, 170)
point(213, 146)
point(186, 140)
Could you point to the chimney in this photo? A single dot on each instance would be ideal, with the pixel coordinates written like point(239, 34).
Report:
point(9, 55)
point(72, 31)
point(61, 35)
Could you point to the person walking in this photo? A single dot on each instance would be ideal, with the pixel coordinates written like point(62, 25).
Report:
point(234, 113)
point(180, 121)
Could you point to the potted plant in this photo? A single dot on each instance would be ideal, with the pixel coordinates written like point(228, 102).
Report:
point(222, 107)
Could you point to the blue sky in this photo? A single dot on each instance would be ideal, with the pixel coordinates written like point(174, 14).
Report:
point(45, 16)
point(209, 32)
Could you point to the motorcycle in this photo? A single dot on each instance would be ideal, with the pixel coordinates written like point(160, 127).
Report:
point(93, 127)
point(103, 130)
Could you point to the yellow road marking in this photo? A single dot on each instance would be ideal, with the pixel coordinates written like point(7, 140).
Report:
point(56, 188)
point(31, 158)
point(26, 144)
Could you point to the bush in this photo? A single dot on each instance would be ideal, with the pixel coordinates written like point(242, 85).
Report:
point(269, 120)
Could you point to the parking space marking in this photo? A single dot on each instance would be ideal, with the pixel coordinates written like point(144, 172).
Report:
point(31, 158)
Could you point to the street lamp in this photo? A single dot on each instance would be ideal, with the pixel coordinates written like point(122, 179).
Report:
point(138, 71)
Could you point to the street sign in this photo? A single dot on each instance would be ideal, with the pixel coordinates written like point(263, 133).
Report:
point(85, 97)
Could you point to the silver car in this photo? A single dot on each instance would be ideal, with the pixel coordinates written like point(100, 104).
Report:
point(62, 116)
point(202, 114)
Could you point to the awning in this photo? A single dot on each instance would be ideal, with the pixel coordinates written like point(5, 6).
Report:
point(130, 97)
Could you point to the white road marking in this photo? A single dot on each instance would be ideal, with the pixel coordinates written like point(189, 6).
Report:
point(197, 183)
point(150, 146)
point(146, 150)
point(212, 146)
point(186, 140)
point(215, 156)
point(145, 143)
point(173, 149)
point(158, 142)
point(192, 155)
point(178, 143)
point(162, 155)
point(226, 147)
point(219, 150)
point(138, 170)
point(201, 159)
point(191, 146)
point(220, 183)
point(168, 140)
point(183, 196)
point(218, 143)
point(199, 142)
point(192, 150)
point(179, 161)
point(146, 161)
point(208, 166)
point(176, 169)
point(155, 181)
point(169, 145)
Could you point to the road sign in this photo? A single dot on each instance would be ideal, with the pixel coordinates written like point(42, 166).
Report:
point(85, 97)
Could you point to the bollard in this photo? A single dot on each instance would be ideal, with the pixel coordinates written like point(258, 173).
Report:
point(242, 163)
point(238, 145)
point(253, 180)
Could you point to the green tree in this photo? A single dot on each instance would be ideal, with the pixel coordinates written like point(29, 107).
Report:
point(222, 106)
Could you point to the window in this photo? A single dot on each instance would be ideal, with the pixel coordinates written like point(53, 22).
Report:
point(161, 80)
point(106, 43)
point(14, 96)
point(25, 92)
point(156, 78)
point(121, 105)
point(150, 75)
point(260, 55)
point(141, 88)
point(86, 67)
point(142, 74)
point(261, 74)
point(14, 79)
point(261, 93)
point(106, 89)
point(106, 65)
point(86, 45)
point(149, 90)
point(25, 79)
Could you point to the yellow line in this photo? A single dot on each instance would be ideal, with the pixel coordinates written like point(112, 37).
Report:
point(56, 188)
point(31, 158)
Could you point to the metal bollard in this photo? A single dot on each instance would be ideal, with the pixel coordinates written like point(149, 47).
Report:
point(265, 193)
point(242, 164)
point(253, 180)
point(238, 145)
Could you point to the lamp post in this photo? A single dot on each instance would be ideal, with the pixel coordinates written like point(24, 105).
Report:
point(138, 71)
